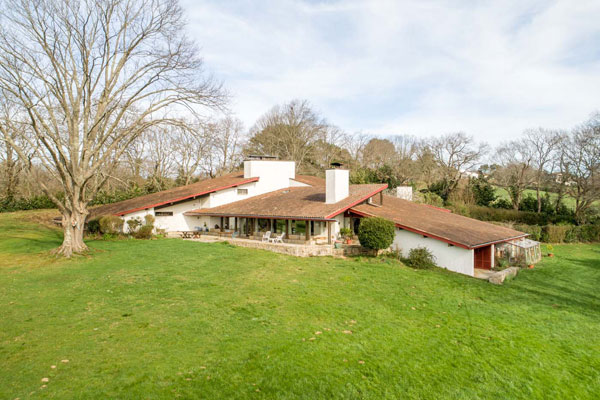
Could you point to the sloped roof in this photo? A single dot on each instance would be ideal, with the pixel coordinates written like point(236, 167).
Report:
point(437, 223)
point(292, 203)
point(310, 180)
point(172, 195)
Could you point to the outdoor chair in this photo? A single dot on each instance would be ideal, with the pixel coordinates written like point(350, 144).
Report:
point(266, 236)
point(277, 239)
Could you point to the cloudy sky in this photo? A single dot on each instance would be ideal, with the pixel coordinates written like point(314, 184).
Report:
point(488, 68)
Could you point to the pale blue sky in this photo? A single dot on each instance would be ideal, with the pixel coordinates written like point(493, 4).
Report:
point(488, 68)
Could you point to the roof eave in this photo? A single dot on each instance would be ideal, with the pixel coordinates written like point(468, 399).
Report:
point(380, 189)
point(250, 180)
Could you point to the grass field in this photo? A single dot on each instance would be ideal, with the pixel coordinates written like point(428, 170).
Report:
point(169, 319)
point(502, 193)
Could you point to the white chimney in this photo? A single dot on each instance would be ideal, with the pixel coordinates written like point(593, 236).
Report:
point(404, 192)
point(337, 185)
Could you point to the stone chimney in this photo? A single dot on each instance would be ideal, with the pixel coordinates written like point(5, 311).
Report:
point(404, 192)
point(337, 184)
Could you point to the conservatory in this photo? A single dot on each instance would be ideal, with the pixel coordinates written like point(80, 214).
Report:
point(521, 252)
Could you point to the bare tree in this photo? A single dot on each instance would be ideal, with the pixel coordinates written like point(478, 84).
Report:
point(455, 154)
point(542, 144)
point(88, 77)
point(288, 131)
point(226, 145)
point(516, 172)
point(582, 162)
point(191, 147)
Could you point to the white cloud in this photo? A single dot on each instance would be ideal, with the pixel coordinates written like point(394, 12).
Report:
point(424, 67)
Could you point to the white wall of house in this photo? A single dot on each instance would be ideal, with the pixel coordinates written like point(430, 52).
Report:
point(453, 258)
point(138, 214)
point(273, 175)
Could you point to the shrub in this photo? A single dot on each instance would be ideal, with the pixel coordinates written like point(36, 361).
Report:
point(421, 258)
point(93, 225)
point(144, 232)
point(483, 191)
point(534, 231)
point(149, 219)
point(433, 199)
point(133, 225)
point(589, 233)
point(555, 233)
point(376, 233)
point(111, 224)
point(346, 233)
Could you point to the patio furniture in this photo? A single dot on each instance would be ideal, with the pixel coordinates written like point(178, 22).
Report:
point(186, 235)
point(266, 236)
point(277, 239)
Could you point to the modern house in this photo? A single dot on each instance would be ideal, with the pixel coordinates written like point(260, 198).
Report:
point(269, 196)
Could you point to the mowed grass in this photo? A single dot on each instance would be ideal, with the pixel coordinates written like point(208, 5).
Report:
point(569, 201)
point(167, 319)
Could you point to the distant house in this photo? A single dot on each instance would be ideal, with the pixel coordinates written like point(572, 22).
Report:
point(268, 195)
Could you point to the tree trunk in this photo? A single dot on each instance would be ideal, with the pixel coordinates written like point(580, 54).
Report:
point(73, 223)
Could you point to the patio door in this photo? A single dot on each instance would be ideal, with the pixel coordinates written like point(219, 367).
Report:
point(483, 257)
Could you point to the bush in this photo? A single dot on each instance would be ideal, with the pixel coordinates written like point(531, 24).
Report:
point(133, 225)
point(93, 226)
point(433, 199)
point(421, 258)
point(483, 191)
point(144, 232)
point(376, 233)
point(346, 233)
point(149, 219)
point(589, 233)
point(534, 231)
point(555, 233)
point(111, 224)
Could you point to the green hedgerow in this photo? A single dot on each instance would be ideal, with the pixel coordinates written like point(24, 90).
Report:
point(376, 233)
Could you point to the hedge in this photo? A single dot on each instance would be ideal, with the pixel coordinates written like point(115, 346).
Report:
point(560, 233)
point(504, 215)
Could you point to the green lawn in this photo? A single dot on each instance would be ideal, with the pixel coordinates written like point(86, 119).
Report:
point(502, 193)
point(167, 318)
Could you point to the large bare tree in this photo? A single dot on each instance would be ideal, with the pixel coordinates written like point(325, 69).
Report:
point(88, 77)
point(288, 131)
point(582, 166)
point(455, 154)
point(515, 172)
point(542, 144)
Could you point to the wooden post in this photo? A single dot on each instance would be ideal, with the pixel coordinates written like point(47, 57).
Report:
point(307, 230)
point(287, 228)
point(222, 224)
point(329, 232)
point(255, 226)
point(235, 224)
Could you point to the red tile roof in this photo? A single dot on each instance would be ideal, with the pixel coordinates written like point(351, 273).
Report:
point(437, 223)
point(292, 203)
point(172, 195)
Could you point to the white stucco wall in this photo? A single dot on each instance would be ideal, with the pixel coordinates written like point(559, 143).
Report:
point(453, 258)
point(272, 174)
point(337, 183)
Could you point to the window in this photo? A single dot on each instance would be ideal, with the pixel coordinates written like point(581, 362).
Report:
point(163, 213)
point(242, 191)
